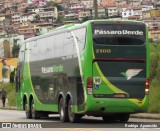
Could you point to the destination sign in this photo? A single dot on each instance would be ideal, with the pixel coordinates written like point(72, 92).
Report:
point(124, 33)
point(117, 32)
point(132, 30)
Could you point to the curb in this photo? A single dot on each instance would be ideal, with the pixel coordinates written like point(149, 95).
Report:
point(8, 108)
point(146, 116)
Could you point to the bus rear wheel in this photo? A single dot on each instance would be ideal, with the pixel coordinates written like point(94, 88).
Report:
point(63, 110)
point(35, 114)
point(72, 116)
point(27, 110)
point(109, 119)
point(124, 117)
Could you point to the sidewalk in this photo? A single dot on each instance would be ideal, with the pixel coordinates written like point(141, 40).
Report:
point(7, 107)
point(146, 115)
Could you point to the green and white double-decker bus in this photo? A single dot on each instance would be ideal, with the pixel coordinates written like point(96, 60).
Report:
point(98, 68)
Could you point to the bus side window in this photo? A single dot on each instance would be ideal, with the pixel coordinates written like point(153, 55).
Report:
point(81, 38)
point(68, 46)
point(58, 45)
point(50, 46)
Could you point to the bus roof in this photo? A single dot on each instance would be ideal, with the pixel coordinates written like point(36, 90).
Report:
point(75, 26)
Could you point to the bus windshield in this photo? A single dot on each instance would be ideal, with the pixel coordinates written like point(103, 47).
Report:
point(119, 33)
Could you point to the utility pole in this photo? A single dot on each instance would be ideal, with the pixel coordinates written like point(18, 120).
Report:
point(95, 9)
point(5, 28)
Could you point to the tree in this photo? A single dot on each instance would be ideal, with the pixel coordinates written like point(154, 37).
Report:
point(15, 41)
point(50, 3)
point(86, 18)
point(26, 9)
point(37, 17)
point(15, 49)
point(59, 7)
point(59, 19)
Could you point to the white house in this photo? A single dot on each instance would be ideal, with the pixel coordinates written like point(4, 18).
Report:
point(120, 3)
point(101, 11)
point(87, 3)
point(73, 1)
point(2, 17)
point(137, 12)
point(147, 7)
point(70, 15)
point(16, 18)
point(26, 17)
point(135, 3)
point(126, 12)
point(74, 7)
point(146, 14)
point(83, 14)
point(47, 15)
point(112, 11)
point(36, 10)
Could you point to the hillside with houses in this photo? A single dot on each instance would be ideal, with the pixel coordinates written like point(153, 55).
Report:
point(29, 18)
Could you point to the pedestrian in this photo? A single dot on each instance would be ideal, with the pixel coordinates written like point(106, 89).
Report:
point(4, 96)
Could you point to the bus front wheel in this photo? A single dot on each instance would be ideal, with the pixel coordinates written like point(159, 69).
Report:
point(27, 111)
point(63, 110)
point(35, 114)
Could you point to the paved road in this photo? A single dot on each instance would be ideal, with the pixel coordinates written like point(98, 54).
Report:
point(86, 124)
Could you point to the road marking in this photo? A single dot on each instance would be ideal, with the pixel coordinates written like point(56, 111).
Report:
point(80, 129)
point(10, 121)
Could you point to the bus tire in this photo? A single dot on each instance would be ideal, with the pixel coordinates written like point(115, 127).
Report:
point(124, 117)
point(35, 114)
point(62, 110)
point(27, 110)
point(72, 116)
point(109, 119)
point(44, 114)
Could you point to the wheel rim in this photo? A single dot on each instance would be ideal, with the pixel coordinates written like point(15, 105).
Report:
point(33, 111)
point(61, 111)
point(70, 113)
point(26, 109)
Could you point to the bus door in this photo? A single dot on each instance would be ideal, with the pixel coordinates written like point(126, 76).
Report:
point(119, 63)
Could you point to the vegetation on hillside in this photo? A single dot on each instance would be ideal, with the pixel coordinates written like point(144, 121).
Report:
point(154, 105)
point(11, 94)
